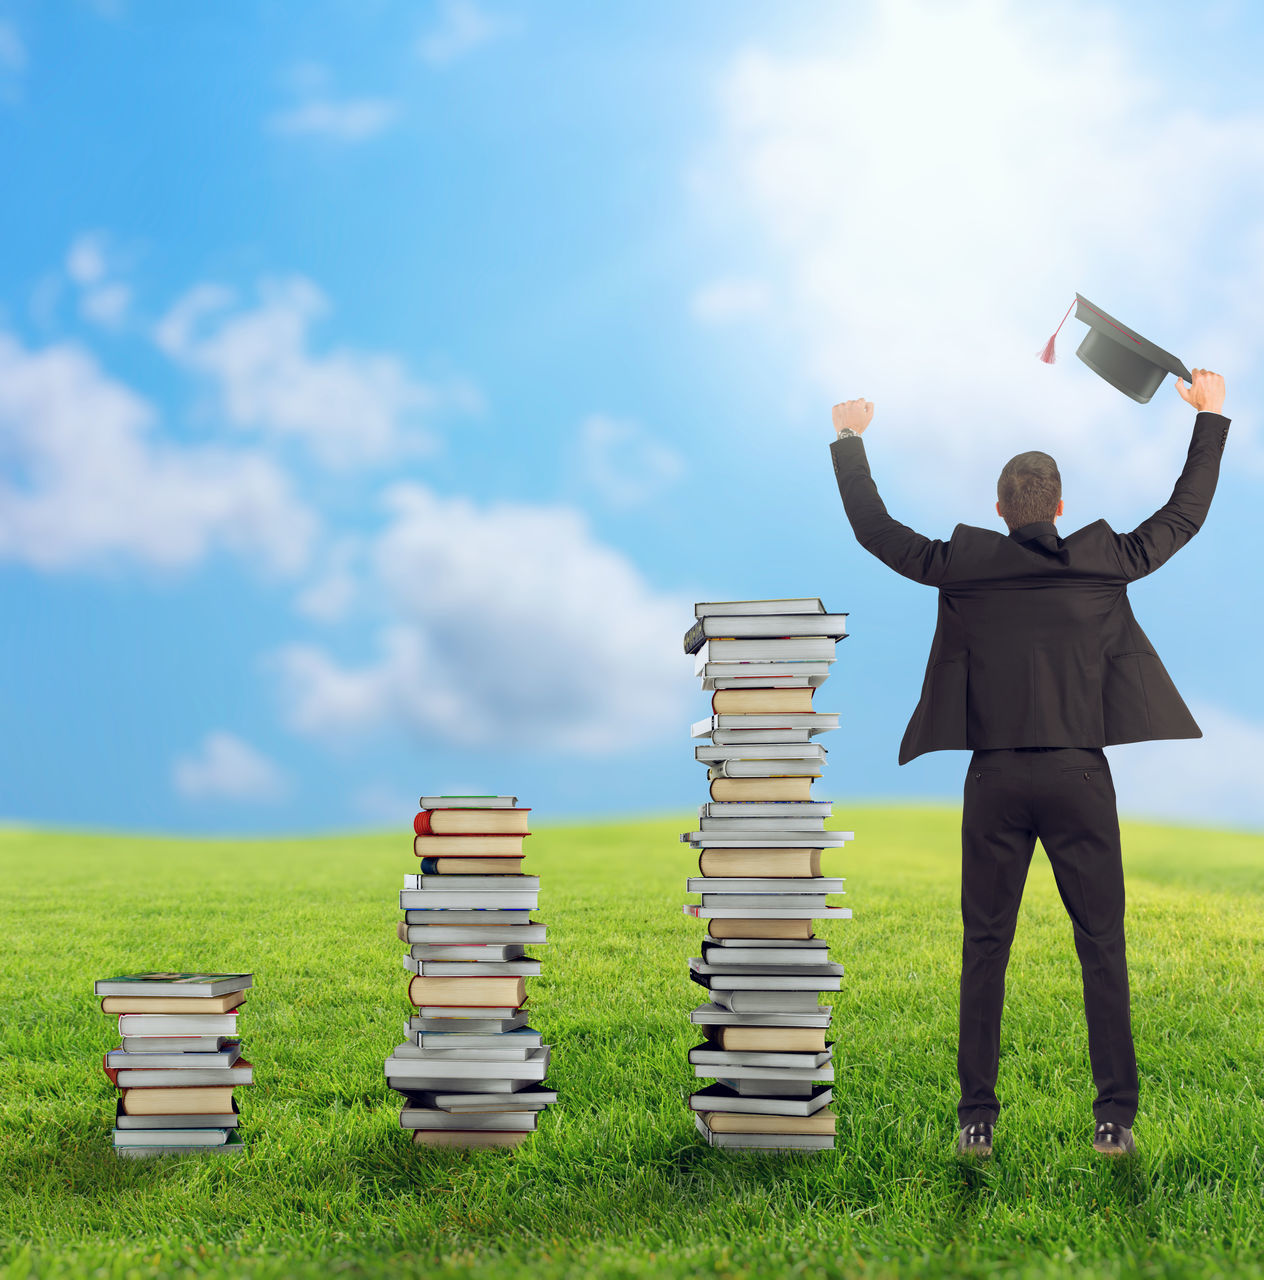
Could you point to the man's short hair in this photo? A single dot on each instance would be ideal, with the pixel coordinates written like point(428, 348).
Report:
point(1029, 489)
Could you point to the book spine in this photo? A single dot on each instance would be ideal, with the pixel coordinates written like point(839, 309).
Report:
point(695, 637)
point(421, 823)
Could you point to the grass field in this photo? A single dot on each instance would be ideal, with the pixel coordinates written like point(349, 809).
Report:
point(616, 1184)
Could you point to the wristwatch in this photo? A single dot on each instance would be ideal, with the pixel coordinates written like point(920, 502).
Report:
point(847, 431)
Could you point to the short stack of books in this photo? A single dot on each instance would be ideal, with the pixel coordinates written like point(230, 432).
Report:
point(471, 1070)
point(759, 842)
point(178, 1061)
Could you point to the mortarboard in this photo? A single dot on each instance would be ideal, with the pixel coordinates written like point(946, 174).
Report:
point(1118, 354)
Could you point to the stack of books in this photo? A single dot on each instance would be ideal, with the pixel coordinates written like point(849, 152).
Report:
point(471, 1070)
point(759, 842)
point(178, 1061)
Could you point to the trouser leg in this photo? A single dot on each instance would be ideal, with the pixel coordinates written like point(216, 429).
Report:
point(997, 840)
point(1078, 825)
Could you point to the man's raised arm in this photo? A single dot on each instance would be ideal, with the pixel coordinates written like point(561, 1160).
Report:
point(1162, 535)
point(923, 559)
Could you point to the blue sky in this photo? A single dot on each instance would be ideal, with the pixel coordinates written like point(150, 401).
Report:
point(378, 391)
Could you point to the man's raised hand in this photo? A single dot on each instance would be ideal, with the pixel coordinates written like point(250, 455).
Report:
point(855, 414)
point(1205, 393)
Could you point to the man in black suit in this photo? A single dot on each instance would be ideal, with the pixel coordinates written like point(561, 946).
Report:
point(1036, 665)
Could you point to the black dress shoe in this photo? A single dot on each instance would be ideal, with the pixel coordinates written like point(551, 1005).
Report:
point(1113, 1139)
point(975, 1139)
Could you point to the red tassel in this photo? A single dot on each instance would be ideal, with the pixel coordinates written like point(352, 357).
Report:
point(1047, 354)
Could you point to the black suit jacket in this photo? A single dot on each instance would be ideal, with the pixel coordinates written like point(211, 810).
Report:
point(1035, 643)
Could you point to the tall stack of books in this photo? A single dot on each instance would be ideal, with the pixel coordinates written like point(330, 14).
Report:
point(471, 1070)
point(178, 1061)
point(759, 842)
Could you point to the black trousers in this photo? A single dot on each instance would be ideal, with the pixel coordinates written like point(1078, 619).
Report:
point(1064, 796)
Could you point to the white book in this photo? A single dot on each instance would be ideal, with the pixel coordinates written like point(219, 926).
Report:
point(763, 682)
point(791, 839)
point(163, 1078)
point(466, 951)
point(769, 982)
point(502, 1053)
point(754, 826)
point(233, 1146)
point(779, 913)
point(764, 884)
point(467, 802)
point(782, 944)
point(752, 673)
point(705, 1056)
point(757, 608)
point(716, 1015)
point(756, 1087)
point(472, 1084)
point(477, 884)
point(474, 1121)
point(764, 1141)
point(467, 899)
point(748, 722)
point(766, 809)
point(779, 649)
point(447, 1012)
point(529, 1097)
point(769, 737)
point(774, 1075)
point(181, 1060)
point(173, 1044)
point(173, 984)
point(483, 917)
point(526, 968)
point(747, 1001)
point(814, 751)
point(177, 1024)
point(755, 768)
point(185, 1138)
point(477, 1025)
point(773, 626)
point(762, 957)
point(766, 901)
point(526, 1037)
point(719, 1097)
point(514, 935)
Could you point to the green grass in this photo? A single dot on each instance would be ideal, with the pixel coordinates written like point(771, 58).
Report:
point(616, 1184)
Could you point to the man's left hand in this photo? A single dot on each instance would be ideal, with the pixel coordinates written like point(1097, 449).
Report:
point(856, 414)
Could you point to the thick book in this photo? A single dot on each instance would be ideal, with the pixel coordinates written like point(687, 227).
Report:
point(761, 701)
point(187, 1120)
point(772, 1076)
point(481, 916)
point(183, 985)
point(492, 846)
point(467, 1026)
point(173, 1004)
point(174, 1044)
point(768, 839)
point(758, 1087)
point(469, 899)
point(526, 967)
point(768, 1039)
point(528, 1098)
point(177, 1024)
point(746, 927)
point(471, 866)
point(783, 901)
point(186, 1139)
point(467, 992)
point(233, 1146)
point(748, 739)
point(773, 626)
point(755, 826)
point(466, 951)
point(525, 1038)
point(761, 674)
point(715, 1015)
point(763, 957)
point(502, 1053)
point(447, 1084)
point(712, 683)
point(497, 883)
point(820, 1121)
point(194, 1100)
point(727, 980)
point(747, 1001)
point(813, 721)
point(707, 1055)
point(780, 649)
point(472, 822)
point(753, 769)
point(402, 1065)
point(467, 802)
point(778, 864)
point(761, 790)
point(449, 1012)
point(764, 1141)
point(758, 608)
point(719, 1097)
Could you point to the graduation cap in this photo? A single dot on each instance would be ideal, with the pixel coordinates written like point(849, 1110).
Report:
point(1122, 356)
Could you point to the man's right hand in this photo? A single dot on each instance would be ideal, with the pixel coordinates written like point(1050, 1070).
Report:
point(1205, 393)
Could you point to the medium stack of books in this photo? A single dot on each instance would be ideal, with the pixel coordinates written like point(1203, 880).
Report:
point(759, 843)
point(471, 1070)
point(178, 1062)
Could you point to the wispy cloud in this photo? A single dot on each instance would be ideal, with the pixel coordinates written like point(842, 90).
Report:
point(462, 27)
point(349, 406)
point(347, 120)
point(93, 266)
point(728, 299)
point(85, 481)
point(623, 462)
point(225, 767)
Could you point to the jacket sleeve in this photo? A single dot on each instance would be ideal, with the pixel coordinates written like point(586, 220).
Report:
point(1161, 536)
point(923, 559)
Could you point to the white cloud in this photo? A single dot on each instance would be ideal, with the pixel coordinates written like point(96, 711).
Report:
point(92, 265)
point(348, 120)
point(514, 627)
point(227, 768)
point(1215, 778)
point(83, 483)
point(931, 185)
point(623, 462)
point(728, 299)
point(85, 259)
point(462, 27)
point(330, 597)
point(348, 405)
